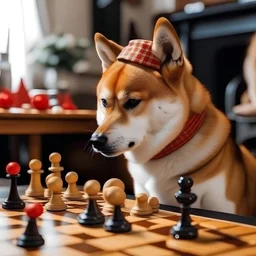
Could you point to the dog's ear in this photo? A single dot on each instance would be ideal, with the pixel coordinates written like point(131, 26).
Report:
point(166, 45)
point(107, 50)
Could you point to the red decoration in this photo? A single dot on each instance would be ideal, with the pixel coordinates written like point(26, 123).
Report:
point(6, 99)
point(40, 102)
point(34, 210)
point(60, 98)
point(5, 90)
point(21, 96)
point(68, 103)
point(13, 168)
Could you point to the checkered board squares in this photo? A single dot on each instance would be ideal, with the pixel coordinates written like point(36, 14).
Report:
point(124, 241)
point(149, 236)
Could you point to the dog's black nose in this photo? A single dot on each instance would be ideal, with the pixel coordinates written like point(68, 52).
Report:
point(99, 141)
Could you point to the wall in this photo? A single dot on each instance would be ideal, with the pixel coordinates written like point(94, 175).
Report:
point(142, 16)
point(70, 16)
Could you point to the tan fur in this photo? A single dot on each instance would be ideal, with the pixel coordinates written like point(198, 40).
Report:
point(224, 174)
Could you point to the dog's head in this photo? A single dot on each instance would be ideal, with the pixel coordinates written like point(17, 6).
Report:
point(142, 108)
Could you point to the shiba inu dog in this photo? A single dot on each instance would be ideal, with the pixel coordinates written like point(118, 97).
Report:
point(155, 112)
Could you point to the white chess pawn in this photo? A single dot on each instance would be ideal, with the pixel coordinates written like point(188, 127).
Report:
point(55, 184)
point(55, 159)
point(141, 208)
point(47, 192)
point(111, 183)
point(154, 203)
point(35, 188)
point(72, 192)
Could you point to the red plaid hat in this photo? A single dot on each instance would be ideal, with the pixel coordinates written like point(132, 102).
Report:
point(140, 51)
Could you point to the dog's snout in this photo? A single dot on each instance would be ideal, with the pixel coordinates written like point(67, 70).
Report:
point(99, 140)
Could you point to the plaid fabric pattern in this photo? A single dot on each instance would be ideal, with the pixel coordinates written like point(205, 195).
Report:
point(191, 127)
point(140, 52)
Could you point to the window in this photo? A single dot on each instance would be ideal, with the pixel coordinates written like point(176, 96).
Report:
point(19, 30)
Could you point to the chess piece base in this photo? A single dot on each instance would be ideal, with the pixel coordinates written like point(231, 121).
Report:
point(155, 209)
point(34, 194)
point(10, 205)
point(30, 241)
point(73, 197)
point(89, 220)
point(121, 226)
point(186, 232)
point(55, 208)
point(141, 212)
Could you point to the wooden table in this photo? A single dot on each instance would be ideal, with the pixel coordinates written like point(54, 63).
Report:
point(34, 123)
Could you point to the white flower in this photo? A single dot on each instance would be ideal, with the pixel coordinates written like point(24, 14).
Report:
point(48, 41)
point(53, 60)
point(81, 67)
point(70, 40)
point(67, 41)
point(83, 42)
point(61, 43)
point(43, 56)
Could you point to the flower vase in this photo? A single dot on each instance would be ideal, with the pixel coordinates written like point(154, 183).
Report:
point(58, 79)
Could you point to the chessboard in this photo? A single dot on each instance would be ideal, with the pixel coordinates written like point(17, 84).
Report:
point(64, 236)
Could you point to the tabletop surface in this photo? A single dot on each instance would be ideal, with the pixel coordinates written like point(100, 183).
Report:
point(19, 113)
point(149, 236)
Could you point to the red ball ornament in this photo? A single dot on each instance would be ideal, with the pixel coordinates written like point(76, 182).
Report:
point(6, 100)
point(34, 210)
point(13, 168)
point(40, 102)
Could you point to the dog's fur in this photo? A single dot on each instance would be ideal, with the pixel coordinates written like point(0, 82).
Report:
point(224, 174)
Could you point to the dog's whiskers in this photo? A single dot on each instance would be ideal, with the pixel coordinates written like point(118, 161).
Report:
point(87, 145)
point(89, 131)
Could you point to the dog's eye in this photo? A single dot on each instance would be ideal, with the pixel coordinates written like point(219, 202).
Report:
point(104, 103)
point(131, 103)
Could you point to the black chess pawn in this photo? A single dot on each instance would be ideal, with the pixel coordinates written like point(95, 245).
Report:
point(13, 202)
point(117, 222)
point(184, 229)
point(92, 214)
point(31, 238)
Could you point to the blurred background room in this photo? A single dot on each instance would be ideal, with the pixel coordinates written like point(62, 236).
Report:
point(47, 47)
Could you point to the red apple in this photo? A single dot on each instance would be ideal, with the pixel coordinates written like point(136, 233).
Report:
point(40, 102)
point(6, 100)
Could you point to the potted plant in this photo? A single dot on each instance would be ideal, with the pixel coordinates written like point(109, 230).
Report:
point(61, 55)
